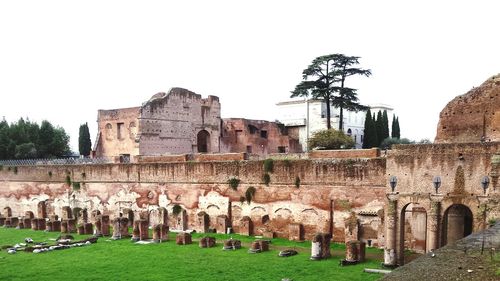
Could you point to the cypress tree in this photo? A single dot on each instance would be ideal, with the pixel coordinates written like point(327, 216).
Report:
point(84, 143)
point(379, 128)
point(398, 132)
point(385, 125)
point(393, 127)
point(370, 132)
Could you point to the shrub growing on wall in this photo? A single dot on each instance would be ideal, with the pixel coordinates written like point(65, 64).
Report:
point(76, 186)
point(176, 210)
point(268, 165)
point(233, 183)
point(266, 179)
point(68, 180)
point(249, 194)
point(297, 182)
point(330, 139)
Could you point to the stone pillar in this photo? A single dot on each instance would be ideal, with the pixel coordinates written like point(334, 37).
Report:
point(143, 225)
point(81, 230)
point(351, 251)
point(71, 225)
point(160, 232)
point(105, 225)
point(136, 233)
point(433, 224)
point(296, 232)
point(222, 224)
point(56, 226)
point(203, 222)
point(48, 226)
point(120, 228)
point(41, 224)
point(390, 232)
point(27, 222)
point(98, 227)
point(320, 246)
point(246, 226)
point(87, 228)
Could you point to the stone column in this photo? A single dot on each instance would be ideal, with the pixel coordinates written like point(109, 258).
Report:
point(433, 225)
point(391, 231)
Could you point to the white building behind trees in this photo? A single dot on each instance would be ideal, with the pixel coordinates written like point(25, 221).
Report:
point(309, 116)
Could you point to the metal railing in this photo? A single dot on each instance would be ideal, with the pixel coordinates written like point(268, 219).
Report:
point(59, 161)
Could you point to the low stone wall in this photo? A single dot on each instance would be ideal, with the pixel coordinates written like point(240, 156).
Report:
point(345, 153)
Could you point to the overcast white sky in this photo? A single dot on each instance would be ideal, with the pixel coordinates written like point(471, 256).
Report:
point(64, 60)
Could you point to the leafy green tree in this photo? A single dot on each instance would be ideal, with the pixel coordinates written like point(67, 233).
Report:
point(25, 151)
point(84, 143)
point(389, 142)
point(59, 145)
point(370, 132)
point(330, 139)
point(324, 79)
point(45, 139)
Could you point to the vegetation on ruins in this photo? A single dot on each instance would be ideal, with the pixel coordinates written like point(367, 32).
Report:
point(297, 182)
point(266, 178)
point(330, 139)
point(123, 260)
point(68, 180)
point(50, 174)
point(389, 142)
point(370, 139)
point(176, 209)
point(268, 165)
point(325, 79)
point(234, 182)
point(76, 186)
point(84, 143)
point(249, 193)
point(26, 139)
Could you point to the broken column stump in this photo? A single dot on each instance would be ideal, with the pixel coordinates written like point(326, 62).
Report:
point(232, 244)
point(183, 238)
point(258, 246)
point(143, 225)
point(207, 242)
point(320, 246)
point(105, 225)
point(160, 232)
point(203, 222)
point(87, 228)
point(120, 228)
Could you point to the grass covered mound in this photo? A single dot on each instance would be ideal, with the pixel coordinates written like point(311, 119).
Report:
point(124, 260)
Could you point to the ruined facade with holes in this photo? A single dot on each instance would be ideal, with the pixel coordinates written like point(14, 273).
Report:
point(176, 122)
point(182, 122)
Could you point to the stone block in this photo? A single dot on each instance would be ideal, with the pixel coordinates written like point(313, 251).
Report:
point(81, 230)
point(232, 244)
point(120, 227)
point(202, 222)
point(268, 234)
point(56, 226)
point(143, 229)
point(207, 242)
point(320, 246)
point(183, 238)
point(105, 225)
point(222, 224)
point(27, 222)
point(87, 228)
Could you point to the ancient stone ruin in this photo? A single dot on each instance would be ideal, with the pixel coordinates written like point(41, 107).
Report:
point(320, 246)
point(207, 242)
point(183, 238)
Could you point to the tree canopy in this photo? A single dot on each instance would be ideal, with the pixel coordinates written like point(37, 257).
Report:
point(325, 79)
point(26, 139)
point(330, 139)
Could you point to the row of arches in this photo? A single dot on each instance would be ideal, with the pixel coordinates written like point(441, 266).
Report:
point(456, 222)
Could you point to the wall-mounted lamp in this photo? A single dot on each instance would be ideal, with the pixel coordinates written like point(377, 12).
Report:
point(485, 181)
point(393, 181)
point(437, 183)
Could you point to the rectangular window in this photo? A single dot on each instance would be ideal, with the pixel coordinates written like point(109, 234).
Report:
point(249, 149)
point(119, 130)
point(281, 149)
point(263, 134)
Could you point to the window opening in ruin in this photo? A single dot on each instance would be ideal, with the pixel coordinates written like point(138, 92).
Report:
point(263, 134)
point(249, 149)
point(457, 223)
point(119, 130)
point(252, 129)
point(349, 132)
point(203, 141)
point(281, 149)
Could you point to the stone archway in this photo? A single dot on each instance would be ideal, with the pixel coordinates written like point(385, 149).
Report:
point(203, 141)
point(413, 229)
point(457, 223)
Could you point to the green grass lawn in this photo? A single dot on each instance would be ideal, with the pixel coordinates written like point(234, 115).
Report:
point(124, 260)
